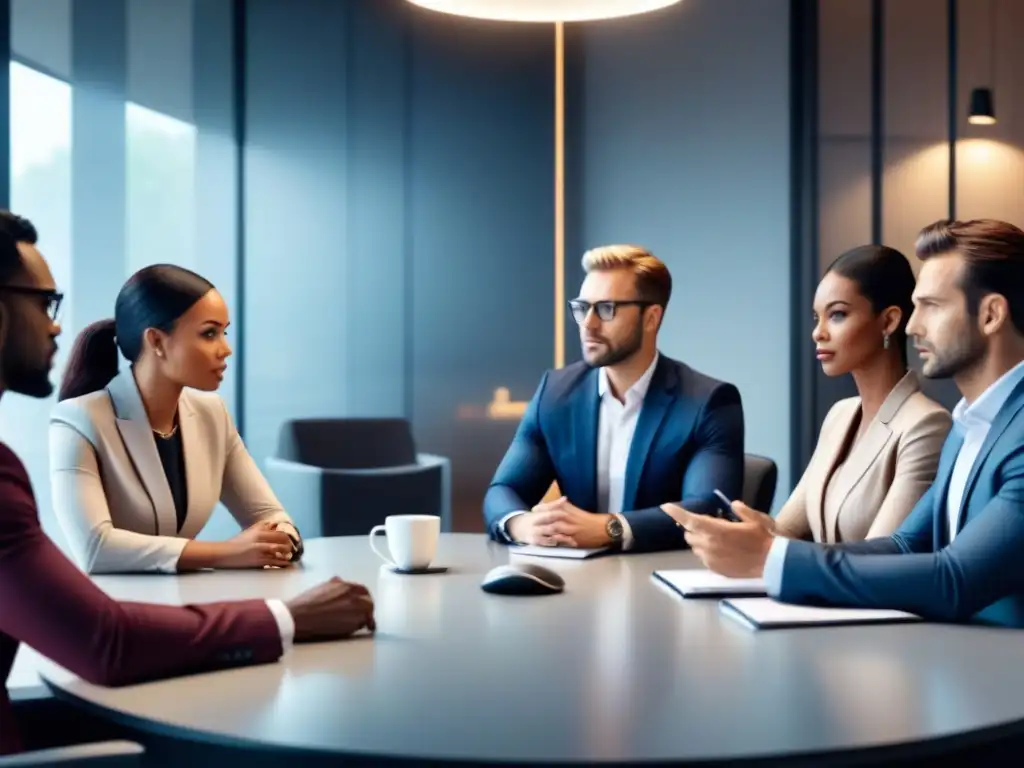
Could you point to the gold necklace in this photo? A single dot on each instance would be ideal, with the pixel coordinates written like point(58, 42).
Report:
point(167, 435)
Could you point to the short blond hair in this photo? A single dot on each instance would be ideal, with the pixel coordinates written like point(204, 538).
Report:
point(653, 280)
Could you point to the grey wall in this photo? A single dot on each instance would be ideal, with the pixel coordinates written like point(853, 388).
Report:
point(685, 149)
point(295, 215)
point(399, 230)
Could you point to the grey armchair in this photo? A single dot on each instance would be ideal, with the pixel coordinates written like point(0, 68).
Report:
point(104, 754)
point(341, 477)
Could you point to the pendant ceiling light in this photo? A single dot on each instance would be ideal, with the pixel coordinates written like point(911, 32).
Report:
point(983, 108)
point(544, 10)
point(983, 111)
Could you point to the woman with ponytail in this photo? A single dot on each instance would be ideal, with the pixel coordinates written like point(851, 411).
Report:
point(140, 457)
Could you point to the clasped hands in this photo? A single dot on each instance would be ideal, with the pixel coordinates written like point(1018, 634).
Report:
point(734, 549)
point(262, 544)
point(560, 523)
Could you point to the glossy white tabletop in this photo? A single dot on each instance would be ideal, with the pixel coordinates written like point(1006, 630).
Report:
point(617, 668)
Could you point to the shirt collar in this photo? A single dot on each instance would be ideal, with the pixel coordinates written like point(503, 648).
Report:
point(640, 386)
point(984, 409)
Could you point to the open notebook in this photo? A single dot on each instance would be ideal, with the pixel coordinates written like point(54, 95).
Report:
point(765, 613)
point(574, 553)
point(699, 582)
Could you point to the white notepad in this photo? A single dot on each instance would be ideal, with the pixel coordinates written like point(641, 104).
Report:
point(574, 553)
point(699, 582)
point(765, 613)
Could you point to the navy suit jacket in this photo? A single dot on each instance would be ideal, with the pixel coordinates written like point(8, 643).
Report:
point(688, 442)
point(979, 576)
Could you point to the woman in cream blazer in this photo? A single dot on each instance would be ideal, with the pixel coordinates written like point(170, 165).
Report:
point(865, 490)
point(139, 459)
point(877, 453)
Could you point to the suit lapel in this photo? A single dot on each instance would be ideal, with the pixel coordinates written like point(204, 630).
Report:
point(838, 438)
point(137, 434)
point(861, 456)
point(661, 394)
point(586, 413)
point(864, 453)
point(1010, 408)
point(196, 459)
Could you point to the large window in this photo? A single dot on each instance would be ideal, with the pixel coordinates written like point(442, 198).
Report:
point(152, 192)
point(41, 190)
point(160, 192)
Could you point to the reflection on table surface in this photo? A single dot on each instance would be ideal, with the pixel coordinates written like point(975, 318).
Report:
point(617, 667)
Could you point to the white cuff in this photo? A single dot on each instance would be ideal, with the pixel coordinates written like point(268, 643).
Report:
point(627, 533)
point(285, 623)
point(774, 566)
point(173, 549)
point(503, 526)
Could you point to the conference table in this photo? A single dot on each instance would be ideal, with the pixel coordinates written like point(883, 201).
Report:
point(616, 669)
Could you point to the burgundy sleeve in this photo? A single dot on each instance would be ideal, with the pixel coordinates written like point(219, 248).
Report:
point(49, 604)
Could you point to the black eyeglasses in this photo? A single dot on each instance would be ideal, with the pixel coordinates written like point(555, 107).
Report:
point(605, 309)
point(52, 298)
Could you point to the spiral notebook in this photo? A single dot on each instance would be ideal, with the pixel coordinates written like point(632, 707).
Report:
point(699, 582)
point(765, 613)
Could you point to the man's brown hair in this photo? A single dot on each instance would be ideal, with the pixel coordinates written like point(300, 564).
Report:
point(653, 281)
point(994, 254)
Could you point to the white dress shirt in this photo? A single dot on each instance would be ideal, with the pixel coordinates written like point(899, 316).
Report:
point(285, 623)
point(616, 423)
point(973, 421)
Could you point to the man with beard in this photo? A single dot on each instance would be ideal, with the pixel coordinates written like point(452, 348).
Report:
point(960, 553)
point(623, 431)
point(47, 603)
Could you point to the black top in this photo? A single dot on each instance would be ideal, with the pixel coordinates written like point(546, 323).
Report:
point(172, 456)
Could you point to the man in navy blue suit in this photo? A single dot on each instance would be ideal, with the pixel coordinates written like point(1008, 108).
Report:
point(622, 432)
point(960, 553)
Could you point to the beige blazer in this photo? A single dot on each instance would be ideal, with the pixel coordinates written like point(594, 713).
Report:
point(109, 490)
point(883, 476)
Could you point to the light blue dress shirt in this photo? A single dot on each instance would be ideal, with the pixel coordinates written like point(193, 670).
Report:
point(973, 422)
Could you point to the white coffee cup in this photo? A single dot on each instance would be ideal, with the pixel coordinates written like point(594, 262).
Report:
point(412, 540)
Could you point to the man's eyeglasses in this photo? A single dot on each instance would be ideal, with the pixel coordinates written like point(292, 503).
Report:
point(605, 309)
point(52, 299)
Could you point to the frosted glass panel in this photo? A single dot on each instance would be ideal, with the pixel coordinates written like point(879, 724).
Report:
point(41, 190)
point(160, 189)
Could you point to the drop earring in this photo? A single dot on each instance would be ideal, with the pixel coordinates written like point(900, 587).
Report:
point(885, 341)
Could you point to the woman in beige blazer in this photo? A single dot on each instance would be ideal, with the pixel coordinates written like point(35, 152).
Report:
point(877, 453)
point(139, 459)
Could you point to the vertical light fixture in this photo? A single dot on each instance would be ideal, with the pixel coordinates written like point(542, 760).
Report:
point(983, 109)
point(559, 194)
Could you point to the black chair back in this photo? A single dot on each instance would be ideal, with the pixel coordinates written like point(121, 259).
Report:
point(760, 476)
point(348, 443)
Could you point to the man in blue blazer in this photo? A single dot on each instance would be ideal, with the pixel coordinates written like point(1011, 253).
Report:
point(960, 553)
point(622, 432)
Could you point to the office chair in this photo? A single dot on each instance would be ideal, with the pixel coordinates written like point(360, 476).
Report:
point(341, 477)
point(760, 476)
